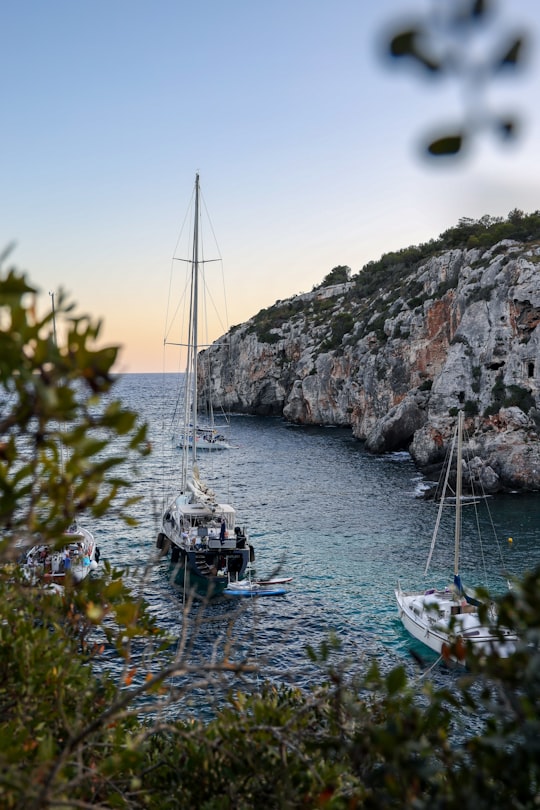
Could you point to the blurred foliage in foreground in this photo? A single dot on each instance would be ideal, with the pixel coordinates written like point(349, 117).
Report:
point(458, 40)
point(74, 735)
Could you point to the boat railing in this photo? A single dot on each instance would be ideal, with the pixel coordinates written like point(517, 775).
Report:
point(215, 543)
point(207, 540)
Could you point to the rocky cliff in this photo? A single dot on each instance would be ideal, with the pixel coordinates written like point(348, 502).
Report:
point(395, 352)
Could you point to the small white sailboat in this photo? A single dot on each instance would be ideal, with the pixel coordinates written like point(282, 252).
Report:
point(46, 563)
point(79, 556)
point(206, 437)
point(252, 589)
point(206, 433)
point(274, 586)
point(438, 616)
point(208, 550)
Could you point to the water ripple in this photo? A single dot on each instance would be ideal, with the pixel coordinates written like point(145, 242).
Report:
point(345, 525)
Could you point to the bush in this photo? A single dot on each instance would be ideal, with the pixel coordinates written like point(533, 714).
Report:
point(339, 275)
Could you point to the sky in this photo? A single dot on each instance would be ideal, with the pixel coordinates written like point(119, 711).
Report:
point(307, 141)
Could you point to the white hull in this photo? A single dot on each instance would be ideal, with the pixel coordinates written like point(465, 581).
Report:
point(437, 618)
point(78, 557)
point(249, 588)
point(207, 437)
point(202, 443)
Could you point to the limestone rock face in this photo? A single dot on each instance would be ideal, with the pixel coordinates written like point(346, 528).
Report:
point(395, 362)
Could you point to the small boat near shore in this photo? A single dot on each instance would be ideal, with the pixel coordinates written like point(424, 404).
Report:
point(205, 438)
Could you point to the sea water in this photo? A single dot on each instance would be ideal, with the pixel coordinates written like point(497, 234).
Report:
point(344, 524)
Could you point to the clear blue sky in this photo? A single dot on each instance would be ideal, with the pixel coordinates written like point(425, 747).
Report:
point(306, 141)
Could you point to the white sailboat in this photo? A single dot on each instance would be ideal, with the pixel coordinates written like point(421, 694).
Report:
point(206, 433)
point(438, 616)
point(78, 556)
point(46, 563)
point(206, 437)
point(208, 550)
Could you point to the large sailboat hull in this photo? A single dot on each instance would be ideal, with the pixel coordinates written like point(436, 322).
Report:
point(207, 549)
point(189, 571)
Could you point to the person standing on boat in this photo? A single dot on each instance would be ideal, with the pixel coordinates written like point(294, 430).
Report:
point(222, 531)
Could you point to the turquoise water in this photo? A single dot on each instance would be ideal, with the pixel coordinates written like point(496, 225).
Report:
point(344, 524)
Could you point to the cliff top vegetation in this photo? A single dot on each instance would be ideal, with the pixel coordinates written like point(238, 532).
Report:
point(379, 283)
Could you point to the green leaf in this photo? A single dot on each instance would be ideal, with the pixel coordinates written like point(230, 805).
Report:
point(511, 56)
point(476, 10)
point(447, 145)
point(396, 680)
point(403, 44)
point(507, 128)
point(480, 8)
point(14, 285)
point(406, 44)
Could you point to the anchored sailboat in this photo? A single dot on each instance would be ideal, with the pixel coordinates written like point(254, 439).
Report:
point(79, 555)
point(436, 617)
point(208, 550)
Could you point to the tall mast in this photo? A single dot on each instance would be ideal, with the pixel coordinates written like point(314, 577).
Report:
point(53, 319)
point(458, 493)
point(195, 313)
point(55, 338)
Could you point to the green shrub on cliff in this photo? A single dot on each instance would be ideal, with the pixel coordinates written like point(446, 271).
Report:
point(379, 284)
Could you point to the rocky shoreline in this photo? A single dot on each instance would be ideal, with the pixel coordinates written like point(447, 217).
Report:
point(395, 356)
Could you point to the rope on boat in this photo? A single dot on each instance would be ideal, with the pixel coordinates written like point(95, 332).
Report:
point(431, 668)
